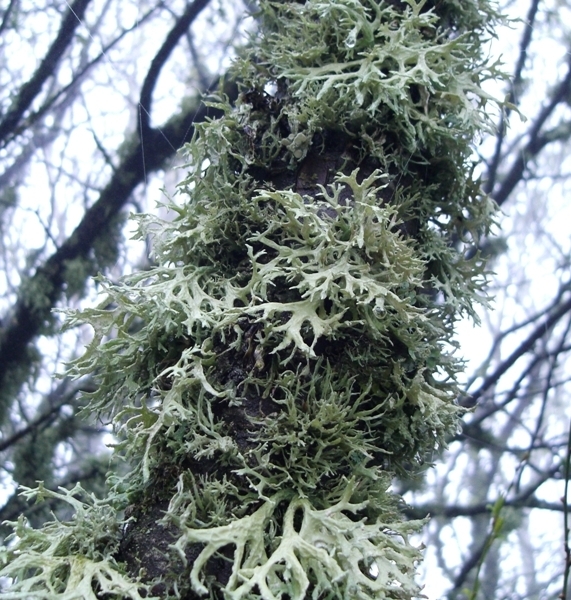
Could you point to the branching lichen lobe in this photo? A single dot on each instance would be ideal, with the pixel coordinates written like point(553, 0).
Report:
point(295, 342)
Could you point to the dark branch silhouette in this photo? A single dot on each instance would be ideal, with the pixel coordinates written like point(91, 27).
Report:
point(29, 91)
point(176, 33)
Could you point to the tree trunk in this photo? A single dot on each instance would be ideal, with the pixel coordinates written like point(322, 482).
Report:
point(292, 348)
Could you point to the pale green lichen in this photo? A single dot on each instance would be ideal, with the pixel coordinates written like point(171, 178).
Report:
point(346, 557)
point(318, 313)
point(68, 561)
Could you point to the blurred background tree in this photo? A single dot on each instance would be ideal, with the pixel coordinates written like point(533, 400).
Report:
point(96, 96)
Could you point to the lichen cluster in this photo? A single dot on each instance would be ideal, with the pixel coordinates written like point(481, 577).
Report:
point(292, 348)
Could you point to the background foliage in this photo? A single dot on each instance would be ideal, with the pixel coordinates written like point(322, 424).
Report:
point(88, 131)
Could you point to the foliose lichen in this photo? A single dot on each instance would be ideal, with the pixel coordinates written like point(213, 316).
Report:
point(292, 349)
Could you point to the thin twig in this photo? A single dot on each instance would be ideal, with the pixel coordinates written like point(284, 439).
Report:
point(566, 518)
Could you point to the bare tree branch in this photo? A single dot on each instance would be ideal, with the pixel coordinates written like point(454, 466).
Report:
point(536, 140)
point(522, 349)
point(84, 70)
point(453, 511)
point(515, 88)
point(32, 88)
point(55, 401)
point(6, 16)
point(180, 28)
